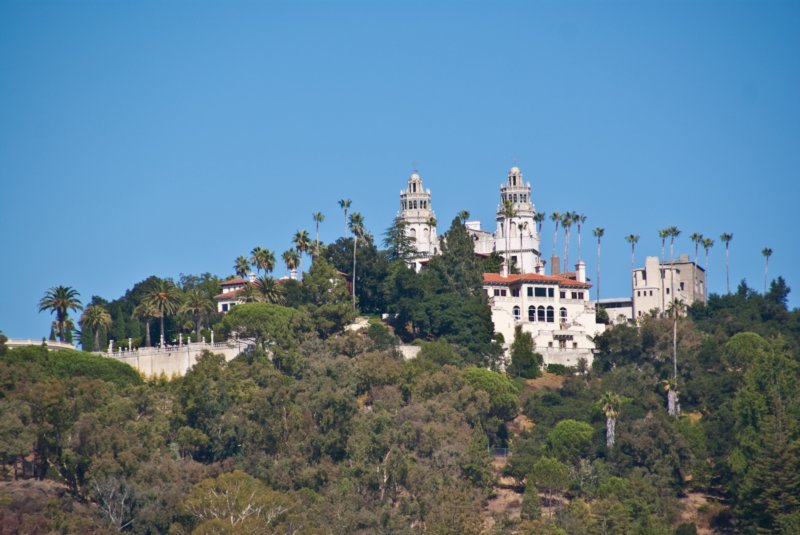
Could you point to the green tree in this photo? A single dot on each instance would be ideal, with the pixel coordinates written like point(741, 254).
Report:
point(509, 213)
point(164, 297)
point(550, 475)
point(766, 253)
point(726, 238)
point(292, 261)
point(610, 404)
point(357, 227)
point(570, 440)
point(503, 397)
point(146, 311)
point(60, 300)
point(524, 361)
point(301, 243)
point(598, 233)
point(399, 245)
point(94, 318)
point(531, 503)
point(567, 218)
point(270, 325)
point(241, 266)
point(632, 239)
point(344, 204)
point(579, 220)
point(555, 217)
point(198, 306)
point(262, 259)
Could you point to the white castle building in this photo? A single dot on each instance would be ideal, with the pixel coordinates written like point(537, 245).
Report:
point(555, 309)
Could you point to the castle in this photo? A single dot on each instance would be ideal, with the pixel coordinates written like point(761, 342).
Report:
point(555, 309)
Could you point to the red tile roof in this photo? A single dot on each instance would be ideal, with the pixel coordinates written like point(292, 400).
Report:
point(231, 282)
point(229, 295)
point(495, 278)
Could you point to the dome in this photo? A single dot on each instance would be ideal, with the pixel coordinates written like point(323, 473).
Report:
point(414, 176)
point(514, 171)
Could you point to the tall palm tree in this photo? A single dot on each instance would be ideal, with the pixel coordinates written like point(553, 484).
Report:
point(671, 388)
point(767, 252)
point(463, 215)
point(319, 217)
point(262, 258)
point(675, 309)
point(663, 234)
point(508, 214)
point(610, 404)
point(708, 243)
point(632, 239)
point(60, 300)
point(521, 227)
point(538, 218)
point(95, 317)
point(673, 233)
point(269, 291)
point(555, 217)
point(566, 224)
point(241, 266)
point(199, 306)
point(697, 239)
point(301, 243)
point(579, 219)
point(726, 238)
point(164, 297)
point(598, 233)
point(357, 226)
point(146, 312)
point(292, 261)
point(344, 204)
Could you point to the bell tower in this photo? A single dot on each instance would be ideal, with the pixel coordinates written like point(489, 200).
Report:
point(523, 239)
point(416, 212)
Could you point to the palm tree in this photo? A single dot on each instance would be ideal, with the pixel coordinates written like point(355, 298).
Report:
point(579, 220)
point(521, 227)
point(269, 291)
point(463, 215)
point(675, 309)
point(262, 258)
point(708, 243)
point(767, 252)
point(598, 233)
point(673, 233)
point(145, 312)
point(610, 404)
point(344, 204)
point(292, 261)
point(357, 226)
point(538, 218)
point(319, 217)
point(663, 234)
point(241, 266)
point(555, 217)
point(632, 239)
point(301, 243)
point(95, 317)
point(673, 407)
point(697, 239)
point(165, 298)
point(566, 223)
point(197, 305)
point(726, 239)
point(508, 214)
point(61, 299)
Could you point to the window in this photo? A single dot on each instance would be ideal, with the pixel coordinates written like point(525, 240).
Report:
point(496, 292)
point(530, 291)
point(551, 292)
point(551, 315)
point(574, 345)
point(540, 314)
point(562, 295)
point(516, 313)
point(549, 344)
point(225, 307)
point(681, 286)
point(580, 295)
point(651, 292)
point(531, 314)
point(515, 292)
point(667, 291)
point(562, 314)
point(638, 293)
point(540, 292)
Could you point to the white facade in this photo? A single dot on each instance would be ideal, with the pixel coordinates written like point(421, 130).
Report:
point(658, 283)
point(417, 213)
point(554, 309)
point(230, 293)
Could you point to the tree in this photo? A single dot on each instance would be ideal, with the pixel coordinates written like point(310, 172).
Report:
point(463, 216)
point(503, 397)
point(610, 404)
point(357, 226)
point(400, 246)
point(766, 252)
point(697, 239)
point(270, 325)
point(95, 317)
point(318, 217)
point(263, 259)
point(538, 218)
point(570, 440)
point(292, 261)
point(555, 217)
point(707, 243)
point(60, 300)
point(524, 362)
point(726, 238)
point(301, 243)
point(146, 312)
point(566, 224)
point(344, 204)
point(632, 239)
point(521, 228)
point(268, 291)
point(509, 212)
point(550, 475)
point(241, 266)
point(579, 220)
point(164, 297)
point(598, 233)
point(197, 305)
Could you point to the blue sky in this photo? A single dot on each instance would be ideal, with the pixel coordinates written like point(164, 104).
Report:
point(141, 138)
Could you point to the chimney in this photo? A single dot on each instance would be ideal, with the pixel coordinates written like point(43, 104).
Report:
point(252, 277)
point(580, 271)
point(555, 266)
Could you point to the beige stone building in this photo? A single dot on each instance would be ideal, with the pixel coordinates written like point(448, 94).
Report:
point(658, 283)
point(417, 213)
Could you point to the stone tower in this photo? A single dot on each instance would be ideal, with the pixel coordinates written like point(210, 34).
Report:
point(416, 212)
point(523, 239)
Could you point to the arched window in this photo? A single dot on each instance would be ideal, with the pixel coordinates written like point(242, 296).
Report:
point(413, 233)
point(551, 313)
point(540, 314)
point(562, 314)
point(531, 313)
point(516, 313)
